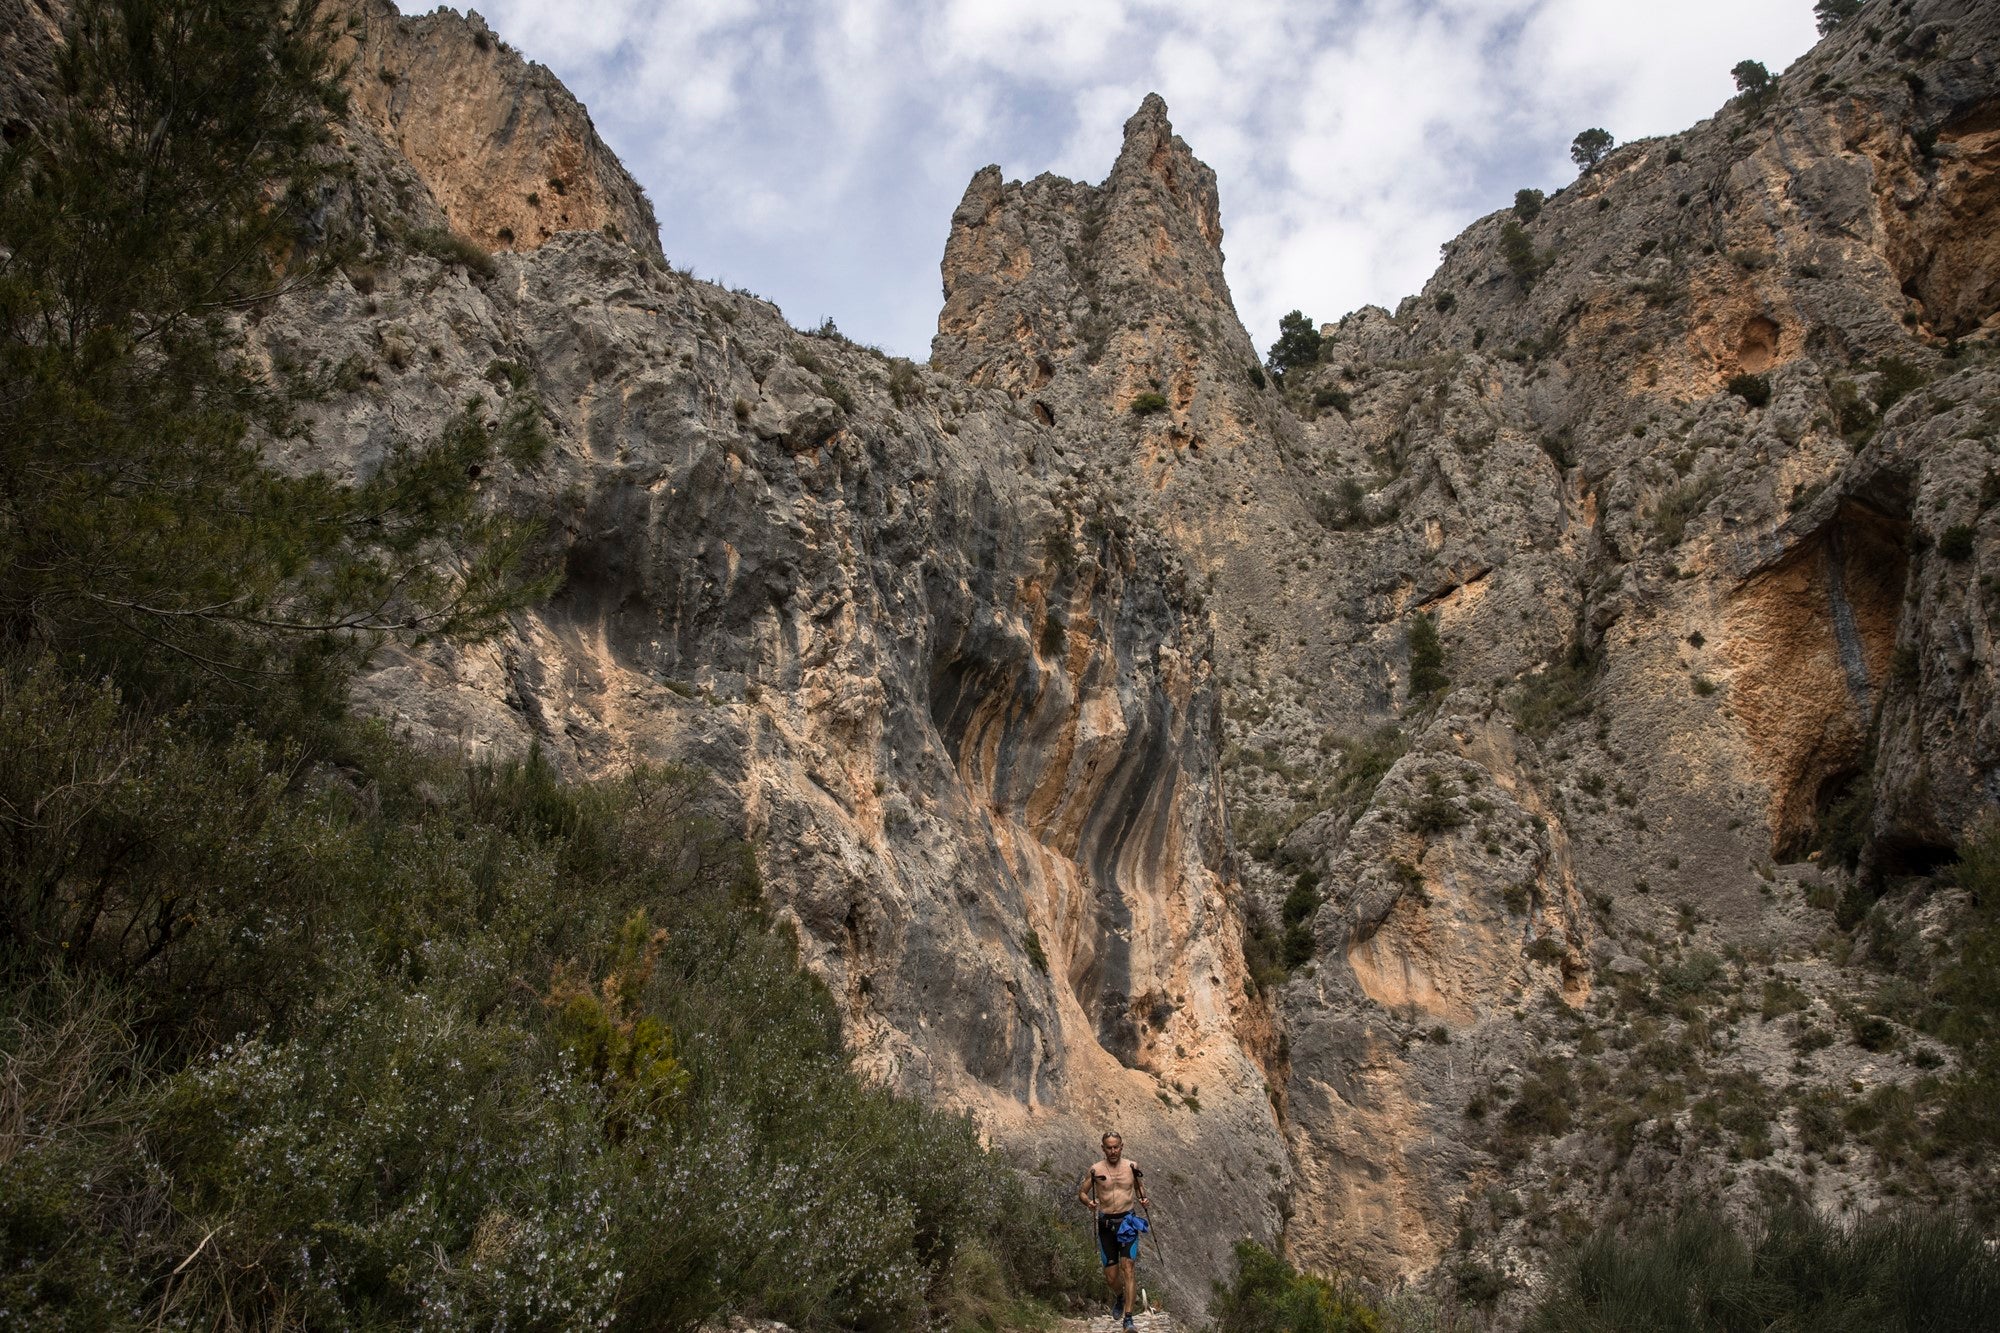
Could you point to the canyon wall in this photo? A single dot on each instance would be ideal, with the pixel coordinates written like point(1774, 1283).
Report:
point(1066, 689)
point(1691, 467)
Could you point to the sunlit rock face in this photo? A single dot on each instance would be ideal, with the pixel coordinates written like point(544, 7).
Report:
point(1055, 680)
point(507, 154)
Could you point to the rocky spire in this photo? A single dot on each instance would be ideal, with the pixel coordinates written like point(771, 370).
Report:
point(1155, 158)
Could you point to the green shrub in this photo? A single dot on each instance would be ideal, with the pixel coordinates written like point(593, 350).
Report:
point(1852, 411)
point(1692, 976)
point(532, 1031)
point(1899, 379)
point(906, 384)
point(1840, 830)
point(1752, 389)
point(1542, 1107)
point(1671, 513)
point(1346, 508)
point(1031, 942)
point(1546, 949)
point(1528, 204)
point(1518, 251)
point(1337, 399)
point(1955, 542)
point(1299, 946)
point(1872, 1032)
point(1477, 1283)
point(1427, 675)
point(1697, 1273)
point(1364, 762)
point(837, 392)
point(1263, 948)
point(448, 247)
point(1297, 913)
point(1268, 1295)
point(1433, 811)
point(1830, 14)
point(1146, 404)
point(510, 374)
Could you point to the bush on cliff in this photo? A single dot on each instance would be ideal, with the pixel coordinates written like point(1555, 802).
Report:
point(1427, 675)
point(1754, 390)
point(1523, 261)
point(1753, 80)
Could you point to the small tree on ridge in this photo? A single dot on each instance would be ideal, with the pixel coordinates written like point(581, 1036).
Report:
point(1298, 343)
point(1752, 79)
point(1590, 148)
point(1830, 14)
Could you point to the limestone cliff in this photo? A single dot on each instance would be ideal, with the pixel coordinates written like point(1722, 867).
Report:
point(508, 155)
point(1080, 300)
point(962, 702)
point(1065, 685)
point(1695, 622)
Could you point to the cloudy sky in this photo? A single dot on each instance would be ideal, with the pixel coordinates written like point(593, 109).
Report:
point(813, 150)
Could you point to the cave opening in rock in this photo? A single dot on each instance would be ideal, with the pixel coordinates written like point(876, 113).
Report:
point(1899, 856)
point(1839, 821)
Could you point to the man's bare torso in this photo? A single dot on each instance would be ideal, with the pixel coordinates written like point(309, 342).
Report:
point(1117, 1186)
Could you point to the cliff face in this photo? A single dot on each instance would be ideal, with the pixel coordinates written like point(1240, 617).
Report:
point(1696, 635)
point(962, 702)
point(1079, 301)
point(1048, 716)
point(507, 154)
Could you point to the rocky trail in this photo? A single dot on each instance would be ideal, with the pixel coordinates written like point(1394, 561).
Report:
point(1152, 1321)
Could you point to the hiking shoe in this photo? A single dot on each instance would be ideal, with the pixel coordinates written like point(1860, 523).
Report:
point(1118, 1307)
point(1128, 1324)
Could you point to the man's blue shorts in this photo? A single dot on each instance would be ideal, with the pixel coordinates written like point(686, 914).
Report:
point(1109, 1249)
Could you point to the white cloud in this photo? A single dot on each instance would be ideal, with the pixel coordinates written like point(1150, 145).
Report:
point(814, 152)
point(1045, 41)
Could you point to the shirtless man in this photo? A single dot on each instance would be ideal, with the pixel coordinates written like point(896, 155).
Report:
point(1109, 1190)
